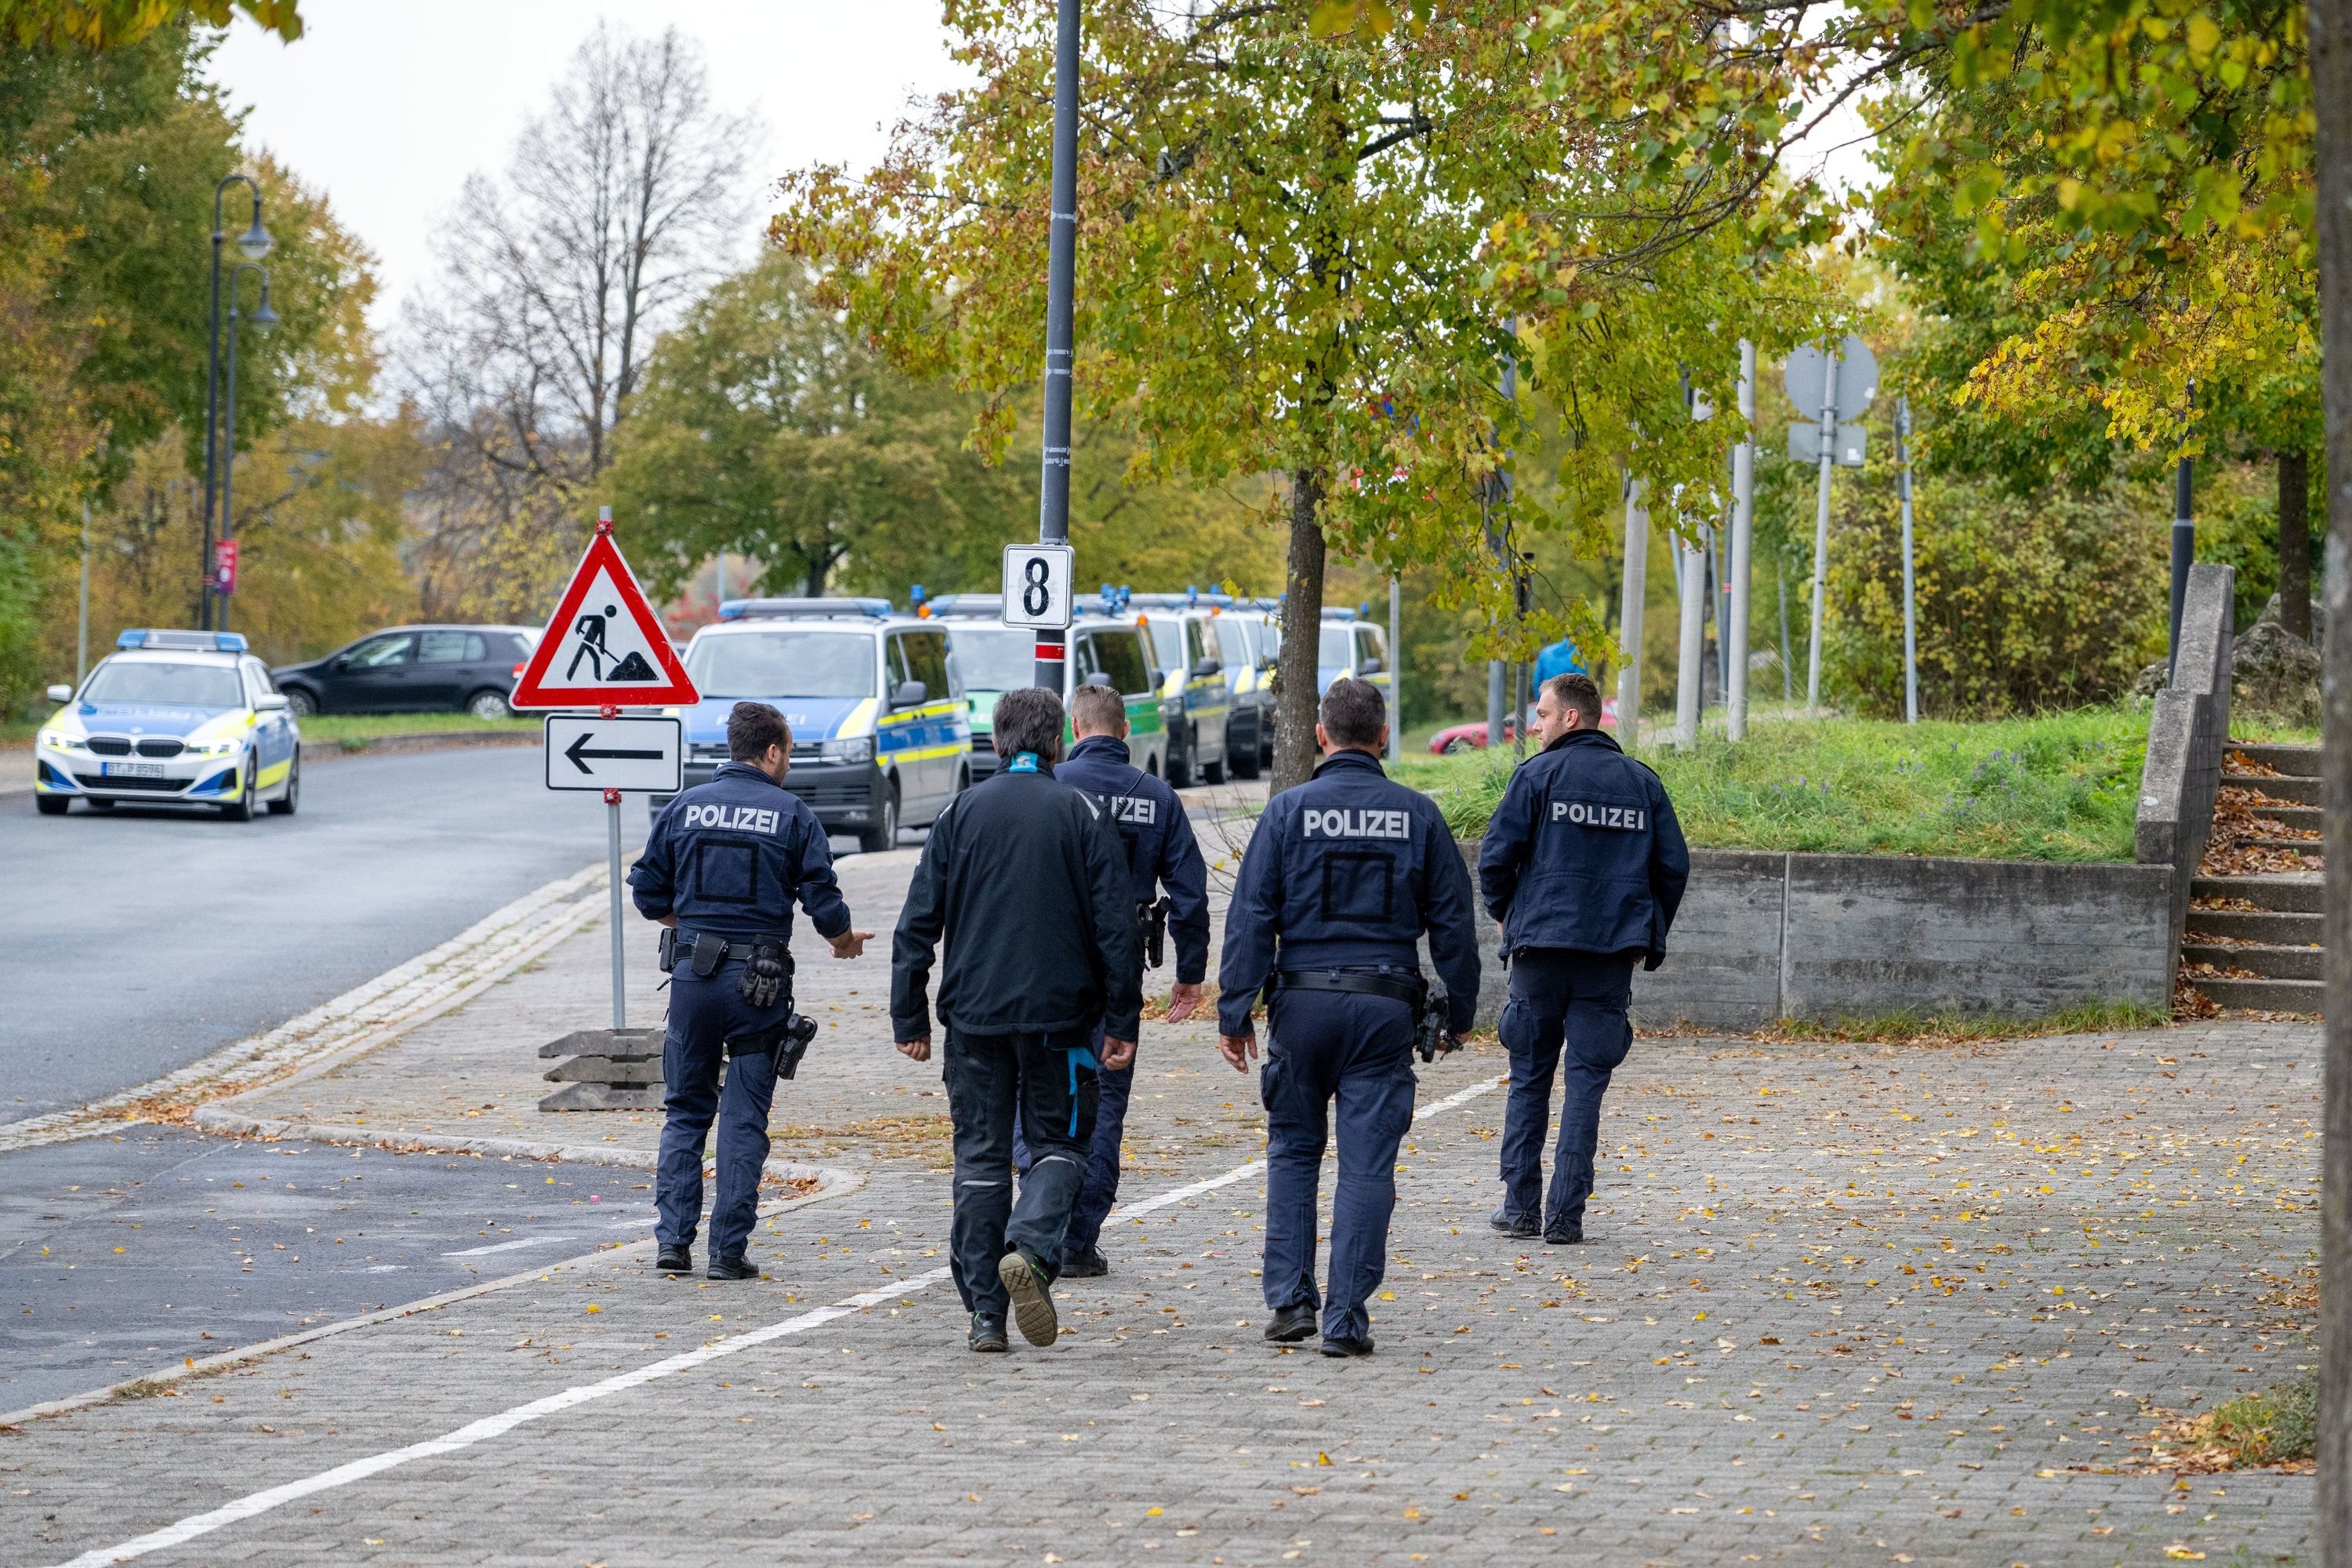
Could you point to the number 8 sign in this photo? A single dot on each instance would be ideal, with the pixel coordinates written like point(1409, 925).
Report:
point(1037, 585)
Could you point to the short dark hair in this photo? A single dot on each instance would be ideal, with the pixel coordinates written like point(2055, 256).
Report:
point(1575, 690)
point(1353, 713)
point(752, 728)
point(1029, 719)
point(1096, 710)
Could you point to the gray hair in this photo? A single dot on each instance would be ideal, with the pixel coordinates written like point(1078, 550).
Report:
point(1029, 719)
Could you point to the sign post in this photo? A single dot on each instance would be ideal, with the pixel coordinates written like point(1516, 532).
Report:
point(1910, 601)
point(614, 652)
point(1841, 384)
point(1743, 523)
point(1061, 285)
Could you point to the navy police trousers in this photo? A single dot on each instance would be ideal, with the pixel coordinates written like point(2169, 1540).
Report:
point(703, 1016)
point(1566, 1015)
point(1050, 1081)
point(1324, 1047)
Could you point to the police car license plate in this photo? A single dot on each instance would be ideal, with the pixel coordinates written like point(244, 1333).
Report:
point(131, 770)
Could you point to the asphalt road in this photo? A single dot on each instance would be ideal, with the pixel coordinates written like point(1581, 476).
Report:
point(134, 941)
point(118, 1256)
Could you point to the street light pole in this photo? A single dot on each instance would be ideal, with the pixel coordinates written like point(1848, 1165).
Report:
point(254, 242)
point(263, 318)
point(1061, 288)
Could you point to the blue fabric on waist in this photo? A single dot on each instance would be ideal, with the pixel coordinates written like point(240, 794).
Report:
point(1347, 954)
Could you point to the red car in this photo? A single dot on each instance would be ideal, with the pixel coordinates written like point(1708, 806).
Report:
point(1473, 737)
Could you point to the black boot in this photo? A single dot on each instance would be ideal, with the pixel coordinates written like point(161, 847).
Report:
point(1564, 1233)
point(676, 1259)
point(1033, 1298)
point(1344, 1346)
point(1087, 1265)
point(988, 1332)
point(1292, 1325)
point(736, 1267)
point(1520, 1227)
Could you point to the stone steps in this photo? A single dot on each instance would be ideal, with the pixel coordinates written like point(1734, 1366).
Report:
point(2277, 940)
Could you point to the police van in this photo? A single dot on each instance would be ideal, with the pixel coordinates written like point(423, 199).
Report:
point(177, 718)
point(991, 658)
point(881, 738)
point(1197, 701)
point(1353, 645)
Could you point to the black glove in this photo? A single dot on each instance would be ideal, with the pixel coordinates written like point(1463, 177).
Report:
point(763, 975)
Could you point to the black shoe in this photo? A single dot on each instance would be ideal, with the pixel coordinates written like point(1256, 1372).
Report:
point(1033, 1298)
point(1343, 1346)
point(1087, 1265)
point(675, 1260)
point(731, 1269)
point(1292, 1325)
point(1564, 1235)
point(1519, 1228)
point(988, 1332)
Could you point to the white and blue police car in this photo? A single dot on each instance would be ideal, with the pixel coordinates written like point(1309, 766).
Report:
point(881, 736)
point(171, 718)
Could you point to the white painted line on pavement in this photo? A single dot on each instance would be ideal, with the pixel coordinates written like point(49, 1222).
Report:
point(466, 1436)
point(508, 1246)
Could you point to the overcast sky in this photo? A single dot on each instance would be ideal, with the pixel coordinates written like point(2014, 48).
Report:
point(387, 107)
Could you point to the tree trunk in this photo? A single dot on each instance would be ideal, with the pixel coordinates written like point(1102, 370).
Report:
point(2294, 542)
point(817, 568)
point(2331, 77)
point(1302, 637)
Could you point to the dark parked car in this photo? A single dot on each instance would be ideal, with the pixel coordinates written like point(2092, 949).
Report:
point(413, 669)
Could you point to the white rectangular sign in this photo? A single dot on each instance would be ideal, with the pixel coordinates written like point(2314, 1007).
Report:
point(585, 751)
point(1037, 585)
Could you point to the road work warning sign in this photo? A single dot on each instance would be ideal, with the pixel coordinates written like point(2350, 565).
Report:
point(605, 645)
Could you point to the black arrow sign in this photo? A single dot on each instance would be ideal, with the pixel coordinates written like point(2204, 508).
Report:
point(580, 753)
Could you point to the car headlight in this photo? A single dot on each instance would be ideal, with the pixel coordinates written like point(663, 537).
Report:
point(56, 741)
point(214, 749)
point(856, 749)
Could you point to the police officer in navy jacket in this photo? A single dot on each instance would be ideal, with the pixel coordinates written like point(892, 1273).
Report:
point(1584, 866)
point(1342, 877)
point(723, 865)
point(1160, 853)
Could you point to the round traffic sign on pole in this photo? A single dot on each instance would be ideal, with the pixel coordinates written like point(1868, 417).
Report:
point(1857, 378)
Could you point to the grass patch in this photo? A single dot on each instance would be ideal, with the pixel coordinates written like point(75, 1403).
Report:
point(369, 726)
point(2268, 729)
point(2277, 1427)
point(2064, 786)
point(1950, 1028)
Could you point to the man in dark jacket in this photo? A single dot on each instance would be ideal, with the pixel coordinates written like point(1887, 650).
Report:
point(722, 866)
point(1342, 877)
point(1160, 852)
point(1026, 879)
point(1584, 866)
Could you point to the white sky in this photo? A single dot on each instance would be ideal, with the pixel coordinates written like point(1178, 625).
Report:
point(387, 107)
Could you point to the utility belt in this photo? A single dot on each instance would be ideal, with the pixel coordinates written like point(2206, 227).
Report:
point(703, 952)
point(1151, 927)
point(787, 1042)
point(1431, 1037)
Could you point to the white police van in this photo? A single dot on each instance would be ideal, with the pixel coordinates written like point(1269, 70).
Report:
point(1101, 649)
point(880, 736)
point(174, 718)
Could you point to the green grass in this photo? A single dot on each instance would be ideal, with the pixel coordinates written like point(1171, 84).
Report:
point(2264, 730)
point(1943, 1028)
point(2277, 1426)
point(2062, 787)
point(368, 726)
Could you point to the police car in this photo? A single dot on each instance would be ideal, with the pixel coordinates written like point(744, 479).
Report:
point(177, 717)
point(1196, 700)
point(881, 739)
point(991, 658)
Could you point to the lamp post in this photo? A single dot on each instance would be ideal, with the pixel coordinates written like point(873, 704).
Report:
point(263, 319)
point(255, 243)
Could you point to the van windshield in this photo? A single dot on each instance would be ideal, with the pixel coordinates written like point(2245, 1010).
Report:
point(993, 658)
point(1335, 653)
point(787, 662)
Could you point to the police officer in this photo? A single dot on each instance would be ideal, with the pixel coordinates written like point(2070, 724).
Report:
point(1160, 852)
point(1343, 875)
point(721, 867)
point(1583, 866)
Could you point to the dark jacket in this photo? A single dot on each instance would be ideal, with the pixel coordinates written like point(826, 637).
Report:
point(1349, 869)
point(729, 858)
point(1584, 853)
point(1161, 848)
point(1027, 881)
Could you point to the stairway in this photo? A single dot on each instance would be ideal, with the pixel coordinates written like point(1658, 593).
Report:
point(2253, 937)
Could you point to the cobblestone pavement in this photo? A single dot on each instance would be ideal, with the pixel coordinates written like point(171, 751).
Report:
point(1841, 1305)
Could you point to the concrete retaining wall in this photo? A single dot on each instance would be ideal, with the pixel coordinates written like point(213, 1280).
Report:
point(2188, 734)
point(1764, 935)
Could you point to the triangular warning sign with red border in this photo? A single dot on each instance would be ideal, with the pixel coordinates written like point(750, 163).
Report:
point(604, 644)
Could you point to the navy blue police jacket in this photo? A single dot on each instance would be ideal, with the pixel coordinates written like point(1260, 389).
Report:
point(732, 857)
point(1161, 848)
point(1584, 853)
point(1349, 869)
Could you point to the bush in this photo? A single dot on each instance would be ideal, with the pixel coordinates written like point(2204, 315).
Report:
point(2025, 604)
